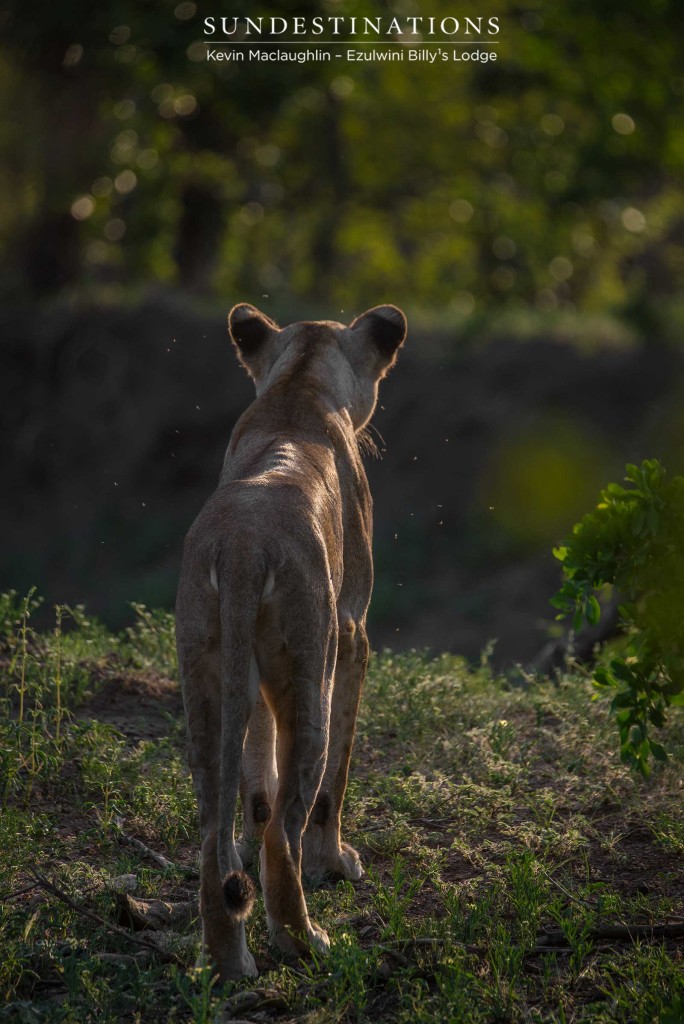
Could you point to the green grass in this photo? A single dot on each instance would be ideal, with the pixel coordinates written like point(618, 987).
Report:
point(487, 811)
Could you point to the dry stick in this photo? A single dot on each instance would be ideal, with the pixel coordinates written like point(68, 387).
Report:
point(556, 940)
point(45, 883)
point(625, 930)
point(158, 858)
point(566, 892)
point(17, 892)
point(617, 933)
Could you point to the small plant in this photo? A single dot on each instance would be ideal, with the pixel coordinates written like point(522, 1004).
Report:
point(349, 970)
point(195, 989)
point(58, 675)
point(527, 890)
point(22, 657)
point(456, 985)
point(152, 638)
point(392, 901)
point(102, 768)
point(633, 541)
point(577, 934)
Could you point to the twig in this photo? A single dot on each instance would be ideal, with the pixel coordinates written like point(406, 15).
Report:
point(566, 892)
point(17, 892)
point(550, 941)
point(44, 883)
point(158, 858)
point(428, 940)
point(617, 933)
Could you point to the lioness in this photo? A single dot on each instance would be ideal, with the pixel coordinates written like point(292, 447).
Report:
point(271, 612)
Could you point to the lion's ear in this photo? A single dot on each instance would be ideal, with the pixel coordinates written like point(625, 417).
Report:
point(251, 330)
point(384, 327)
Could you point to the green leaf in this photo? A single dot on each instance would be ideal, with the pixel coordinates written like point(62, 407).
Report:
point(658, 751)
point(602, 677)
point(593, 611)
point(623, 700)
point(638, 521)
point(621, 671)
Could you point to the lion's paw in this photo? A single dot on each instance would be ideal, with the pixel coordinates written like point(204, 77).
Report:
point(334, 865)
point(351, 866)
point(291, 945)
point(318, 939)
point(229, 968)
point(244, 968)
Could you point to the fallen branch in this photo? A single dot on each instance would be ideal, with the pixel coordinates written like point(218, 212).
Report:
point(119, 958)
point(268, 999)
point(45, 883)
point(156, 915)
point(17, 892)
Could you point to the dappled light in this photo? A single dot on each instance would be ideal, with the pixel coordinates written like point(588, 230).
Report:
point(551, 178)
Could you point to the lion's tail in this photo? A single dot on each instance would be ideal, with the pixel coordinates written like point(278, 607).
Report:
point(241, 577)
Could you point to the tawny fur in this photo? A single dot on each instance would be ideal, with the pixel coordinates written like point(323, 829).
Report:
point(271, 624)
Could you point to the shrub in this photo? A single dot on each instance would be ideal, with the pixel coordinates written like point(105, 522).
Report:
point(633, 541)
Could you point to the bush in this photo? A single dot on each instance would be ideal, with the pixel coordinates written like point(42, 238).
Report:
point(633, 541)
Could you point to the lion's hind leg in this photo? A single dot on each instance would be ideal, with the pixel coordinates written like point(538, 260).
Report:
point(223, 937)
point(219, 680)
point(325, 855)
point(301, 703)
point(259, 781)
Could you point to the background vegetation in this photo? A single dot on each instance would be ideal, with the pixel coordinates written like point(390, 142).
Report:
point(550, 178)
point(537, 198)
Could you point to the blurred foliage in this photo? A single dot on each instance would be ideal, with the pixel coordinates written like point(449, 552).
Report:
point(634, 541)
point(551, 177)
point(542, 476)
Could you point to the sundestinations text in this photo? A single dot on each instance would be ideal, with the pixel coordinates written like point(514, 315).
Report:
point(349, 26)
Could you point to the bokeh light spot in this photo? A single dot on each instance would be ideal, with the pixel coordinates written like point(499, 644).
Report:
point(115, 229)
point(186, 10)
point(82, 208)
point(552, 124)
point(623, 124)
point(561, 268)
point(633, 219)
point(461, 211)
point(125, 182)
point(504, 248)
